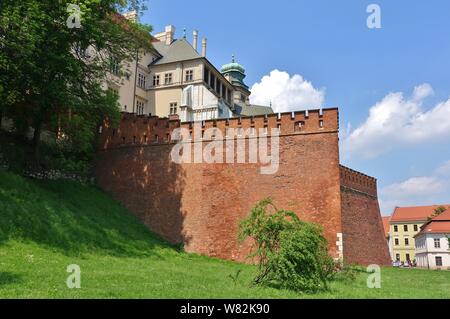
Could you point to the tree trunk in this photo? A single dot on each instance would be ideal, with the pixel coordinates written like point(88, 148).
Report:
point(37, 141)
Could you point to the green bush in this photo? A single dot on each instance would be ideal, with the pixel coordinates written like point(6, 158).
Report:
point(291, 254)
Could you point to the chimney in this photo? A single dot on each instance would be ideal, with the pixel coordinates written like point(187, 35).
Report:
point(204, 41)
point(195, 40)
point(170, 34)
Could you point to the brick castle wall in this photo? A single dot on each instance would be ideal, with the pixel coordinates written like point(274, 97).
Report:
point(363, 235)
point(201, 205)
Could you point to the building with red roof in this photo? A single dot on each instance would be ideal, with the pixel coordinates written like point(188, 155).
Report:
point(433, 243)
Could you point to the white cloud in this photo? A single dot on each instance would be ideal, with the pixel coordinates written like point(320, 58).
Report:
point(286, 93)
point(421, 190)
point(397, 121)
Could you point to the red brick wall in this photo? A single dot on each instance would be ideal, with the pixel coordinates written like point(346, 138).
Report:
point(201, 205)
point(363, 235)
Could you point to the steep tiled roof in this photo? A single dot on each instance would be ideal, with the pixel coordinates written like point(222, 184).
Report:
point(179, 50)
point(419, 213)
point(438, 225)
point(252, 110)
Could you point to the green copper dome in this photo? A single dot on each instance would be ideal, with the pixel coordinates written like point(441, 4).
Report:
point(233, 67)
point(236, 72)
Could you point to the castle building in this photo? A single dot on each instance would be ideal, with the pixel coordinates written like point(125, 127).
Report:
point(175, 79)
point(199, 203)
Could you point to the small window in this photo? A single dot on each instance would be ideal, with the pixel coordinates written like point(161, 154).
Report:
point(156, 80)
point(437, 243)
point(408, 257)
point(168, 78)
point(140, 107)
point(299, 126)
point(173, 109)
point(406, 241)
point(396, 228)
point(405, 228)
point(438, 261)
point(416, 228)
point(397, 242)
point(189, 75)
point(142, 79)
point(321, 123)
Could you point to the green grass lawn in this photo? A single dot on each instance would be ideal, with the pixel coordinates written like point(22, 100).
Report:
point(46, 226)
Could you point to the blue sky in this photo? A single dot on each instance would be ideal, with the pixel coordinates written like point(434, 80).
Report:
point(346, 64)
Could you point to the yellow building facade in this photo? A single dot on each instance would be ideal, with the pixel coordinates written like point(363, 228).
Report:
point(405, 224)
point(403, 242)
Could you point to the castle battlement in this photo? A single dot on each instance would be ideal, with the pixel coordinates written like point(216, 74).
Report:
point(358, 181)
point(138, 130)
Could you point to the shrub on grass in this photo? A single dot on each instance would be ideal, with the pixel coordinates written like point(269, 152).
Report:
point(291, 253)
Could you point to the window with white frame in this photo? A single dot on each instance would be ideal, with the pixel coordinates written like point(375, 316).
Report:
point(168, 78)
point(156, 80)
point(140, 106)
point(141, 80)
point(189, 75)
point(437, 243)
point(173, 108)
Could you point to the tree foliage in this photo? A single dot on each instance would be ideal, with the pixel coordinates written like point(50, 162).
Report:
point(46, 82)
point(291, 254)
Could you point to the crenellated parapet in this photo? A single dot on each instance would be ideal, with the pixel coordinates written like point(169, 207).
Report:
point(139, 130)
point(357, 181)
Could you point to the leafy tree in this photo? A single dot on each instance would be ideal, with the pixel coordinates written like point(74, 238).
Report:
point(46, 79)
point(291, 254)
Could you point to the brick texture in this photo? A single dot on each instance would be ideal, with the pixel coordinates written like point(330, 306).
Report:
point(201, 205)
point(362, 225)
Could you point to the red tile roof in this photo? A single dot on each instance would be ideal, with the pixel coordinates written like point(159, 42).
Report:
point(438, 225)
point(445, 216)
point(420, 213)
point(386, 225)
point(437, 228)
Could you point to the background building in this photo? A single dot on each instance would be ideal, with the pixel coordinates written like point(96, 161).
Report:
point(432, 243)
point(387, 226)
point(404, 225)
point(176, 79)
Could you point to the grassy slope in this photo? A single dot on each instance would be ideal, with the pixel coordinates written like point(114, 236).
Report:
point(46, 226)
